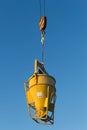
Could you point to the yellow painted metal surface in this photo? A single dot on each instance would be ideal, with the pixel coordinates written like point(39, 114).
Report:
point(40, 97)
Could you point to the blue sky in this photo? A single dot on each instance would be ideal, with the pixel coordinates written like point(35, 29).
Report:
point(65, 59)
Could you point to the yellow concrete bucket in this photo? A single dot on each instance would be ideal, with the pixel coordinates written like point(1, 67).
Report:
point(41, 95)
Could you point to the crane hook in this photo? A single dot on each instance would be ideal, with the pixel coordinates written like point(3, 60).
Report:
point(42, 27)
